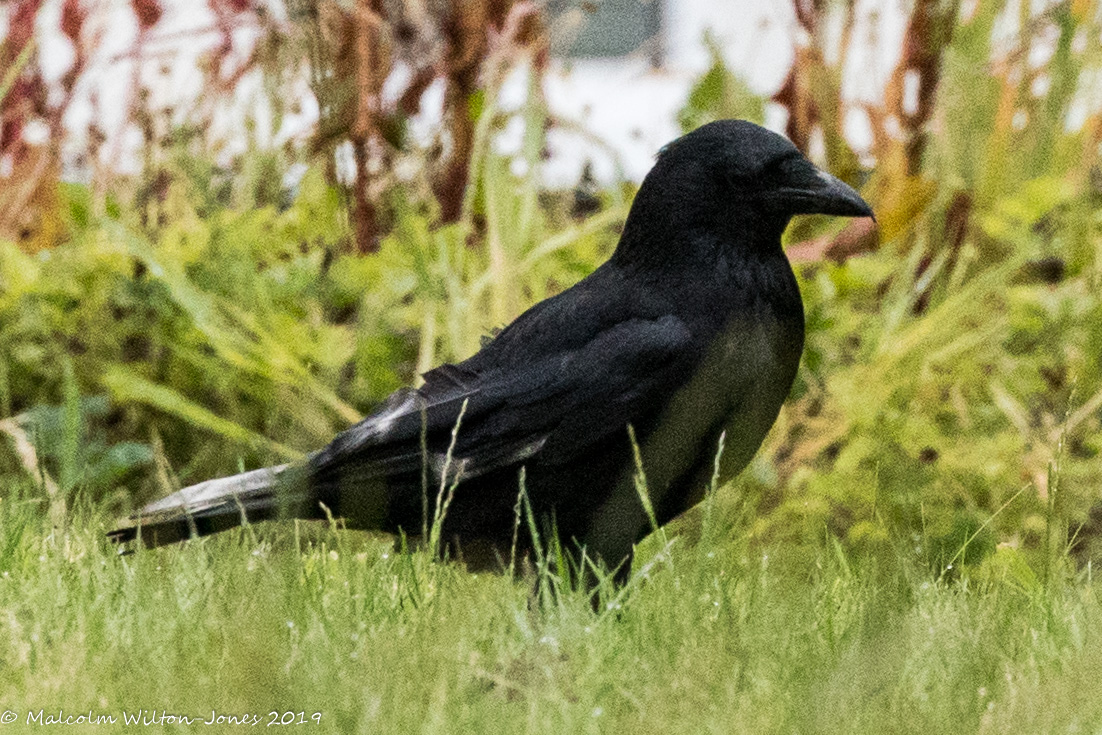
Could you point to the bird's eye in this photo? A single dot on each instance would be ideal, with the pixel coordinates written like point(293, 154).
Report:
point(772, 175)
point(778, 169)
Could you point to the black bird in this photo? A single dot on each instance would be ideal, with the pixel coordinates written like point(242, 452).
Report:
point(693, 327)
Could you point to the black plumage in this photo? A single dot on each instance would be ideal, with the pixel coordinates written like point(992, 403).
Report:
point(693, 327)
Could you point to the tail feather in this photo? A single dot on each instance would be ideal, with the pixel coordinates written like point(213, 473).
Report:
point(212, 506)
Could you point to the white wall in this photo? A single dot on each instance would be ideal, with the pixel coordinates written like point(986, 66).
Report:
point(633, 107)
point(630, 106)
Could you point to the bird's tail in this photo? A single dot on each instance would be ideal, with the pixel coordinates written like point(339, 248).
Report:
point(213, 506)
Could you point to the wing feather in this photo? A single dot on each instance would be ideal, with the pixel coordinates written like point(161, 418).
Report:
point(550, 409)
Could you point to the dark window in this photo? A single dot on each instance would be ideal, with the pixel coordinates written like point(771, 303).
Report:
point(601, 28)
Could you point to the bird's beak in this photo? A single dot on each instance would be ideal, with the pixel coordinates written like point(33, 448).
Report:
point(809, 190)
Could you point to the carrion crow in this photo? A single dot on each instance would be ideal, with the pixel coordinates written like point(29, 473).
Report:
point(692, 328)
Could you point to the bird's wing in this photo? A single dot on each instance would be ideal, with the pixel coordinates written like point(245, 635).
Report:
point(575, 399)
point(507, 414)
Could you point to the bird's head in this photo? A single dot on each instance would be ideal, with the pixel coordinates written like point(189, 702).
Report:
point(740, 178)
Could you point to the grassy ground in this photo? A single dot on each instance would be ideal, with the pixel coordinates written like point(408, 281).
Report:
point(714, 637)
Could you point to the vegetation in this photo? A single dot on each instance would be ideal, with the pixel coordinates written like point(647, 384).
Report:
point(913, 549)
point(724, 637)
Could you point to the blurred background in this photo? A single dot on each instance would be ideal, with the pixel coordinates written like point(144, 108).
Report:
point(228, 229)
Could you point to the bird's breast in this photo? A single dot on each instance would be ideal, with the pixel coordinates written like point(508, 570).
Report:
point(737, 386)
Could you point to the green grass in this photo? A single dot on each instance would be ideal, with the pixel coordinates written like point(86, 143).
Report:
point(715, 638)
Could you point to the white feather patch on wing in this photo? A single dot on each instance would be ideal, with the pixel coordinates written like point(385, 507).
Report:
point(382, 423)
